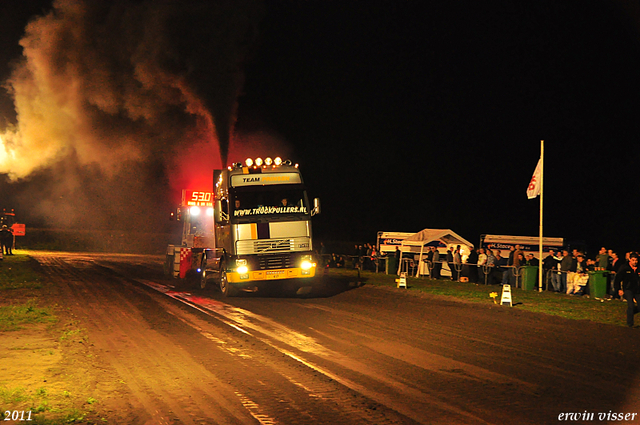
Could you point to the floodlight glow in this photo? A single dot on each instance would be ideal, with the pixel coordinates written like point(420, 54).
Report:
point(195, 211)
point(259, 162)
point(277, 161)
point(268, 161)
point(210, 212)
point(248, 162)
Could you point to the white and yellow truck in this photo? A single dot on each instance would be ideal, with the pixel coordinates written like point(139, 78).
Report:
point(251, 233)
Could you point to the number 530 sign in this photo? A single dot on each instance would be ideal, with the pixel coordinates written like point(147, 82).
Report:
point(193, 198)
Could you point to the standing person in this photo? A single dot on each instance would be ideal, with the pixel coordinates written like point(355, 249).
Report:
point(6, 238)
point(457, 262)
point(602, 259)
point(565, 269)
point(374, 258)
point(472, 266)
point(437, 265)
point(627, 283)
point(397, 260)
point(482, 261)
point(549, 265)
point(498, 272)
point(368, 251)
point(531, 260)
point(577, 281)
point(429, 260)
point(362, 251)
point(557, 274)
point(487, 269)
point(508, 275)
point(354, 257)
point(450, 263)
point(614, 267)
point(518, 261)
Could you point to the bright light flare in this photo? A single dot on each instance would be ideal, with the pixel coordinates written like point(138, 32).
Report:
point(195, 211)
point(306, 265)
point(3, 151)
point(210, 212)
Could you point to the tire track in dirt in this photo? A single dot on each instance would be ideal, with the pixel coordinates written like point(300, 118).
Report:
point(390, 393)
point(154, 369)
point(172, 381)
point(320, 397)
point(365, 356)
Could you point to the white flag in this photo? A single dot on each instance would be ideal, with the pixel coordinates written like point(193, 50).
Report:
point(534, 186)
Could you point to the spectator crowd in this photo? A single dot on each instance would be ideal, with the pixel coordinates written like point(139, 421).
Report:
point(564, 271)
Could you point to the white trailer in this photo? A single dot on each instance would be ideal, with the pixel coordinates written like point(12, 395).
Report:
point(528, 244)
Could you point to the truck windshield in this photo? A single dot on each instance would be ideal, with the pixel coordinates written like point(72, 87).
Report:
point(200, 223)
point(256, 201)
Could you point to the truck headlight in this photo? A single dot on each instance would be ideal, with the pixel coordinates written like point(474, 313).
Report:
point(306, 265)
point(243, 270)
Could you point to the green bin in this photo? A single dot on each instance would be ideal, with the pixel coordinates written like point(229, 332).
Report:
point(529, 276)
point(598, 283)
point(390, 266)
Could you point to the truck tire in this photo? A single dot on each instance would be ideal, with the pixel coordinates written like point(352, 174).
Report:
point(203, 279)
point(226, 289)
point(202, 284)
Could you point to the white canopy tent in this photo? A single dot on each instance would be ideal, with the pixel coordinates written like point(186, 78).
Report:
point(427, 236)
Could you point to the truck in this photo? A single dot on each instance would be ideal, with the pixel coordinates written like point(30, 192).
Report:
point(252, 233)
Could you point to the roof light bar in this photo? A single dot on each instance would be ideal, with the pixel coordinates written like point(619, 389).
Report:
point(259, 162)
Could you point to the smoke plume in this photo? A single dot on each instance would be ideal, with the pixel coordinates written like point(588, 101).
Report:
point(109, 95)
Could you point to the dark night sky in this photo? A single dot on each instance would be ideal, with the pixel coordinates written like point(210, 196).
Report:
point(406, 115)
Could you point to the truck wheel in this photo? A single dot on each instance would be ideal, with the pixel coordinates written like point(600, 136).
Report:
point(203, 279)
point(203, 274)
point(226, 289)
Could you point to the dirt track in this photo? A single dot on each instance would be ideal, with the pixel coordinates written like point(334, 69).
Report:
point(363, 355)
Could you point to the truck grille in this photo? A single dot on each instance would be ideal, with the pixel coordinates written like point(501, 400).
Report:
point(273, 262)
point(270, 246)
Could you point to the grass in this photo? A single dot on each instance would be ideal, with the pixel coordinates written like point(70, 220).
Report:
point(22, 288)
point(39, 403)
point(568, 307)
point(14, 317)
point(19, 272)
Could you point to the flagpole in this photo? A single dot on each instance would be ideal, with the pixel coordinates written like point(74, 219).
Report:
point(540, 269)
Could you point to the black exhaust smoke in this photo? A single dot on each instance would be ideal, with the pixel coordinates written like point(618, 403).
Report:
point(109, 94)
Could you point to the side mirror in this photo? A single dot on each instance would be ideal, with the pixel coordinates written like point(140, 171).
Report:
point(316, 207)
point(221, 211)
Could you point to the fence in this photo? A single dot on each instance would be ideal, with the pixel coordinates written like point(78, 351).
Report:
point(489, 274)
